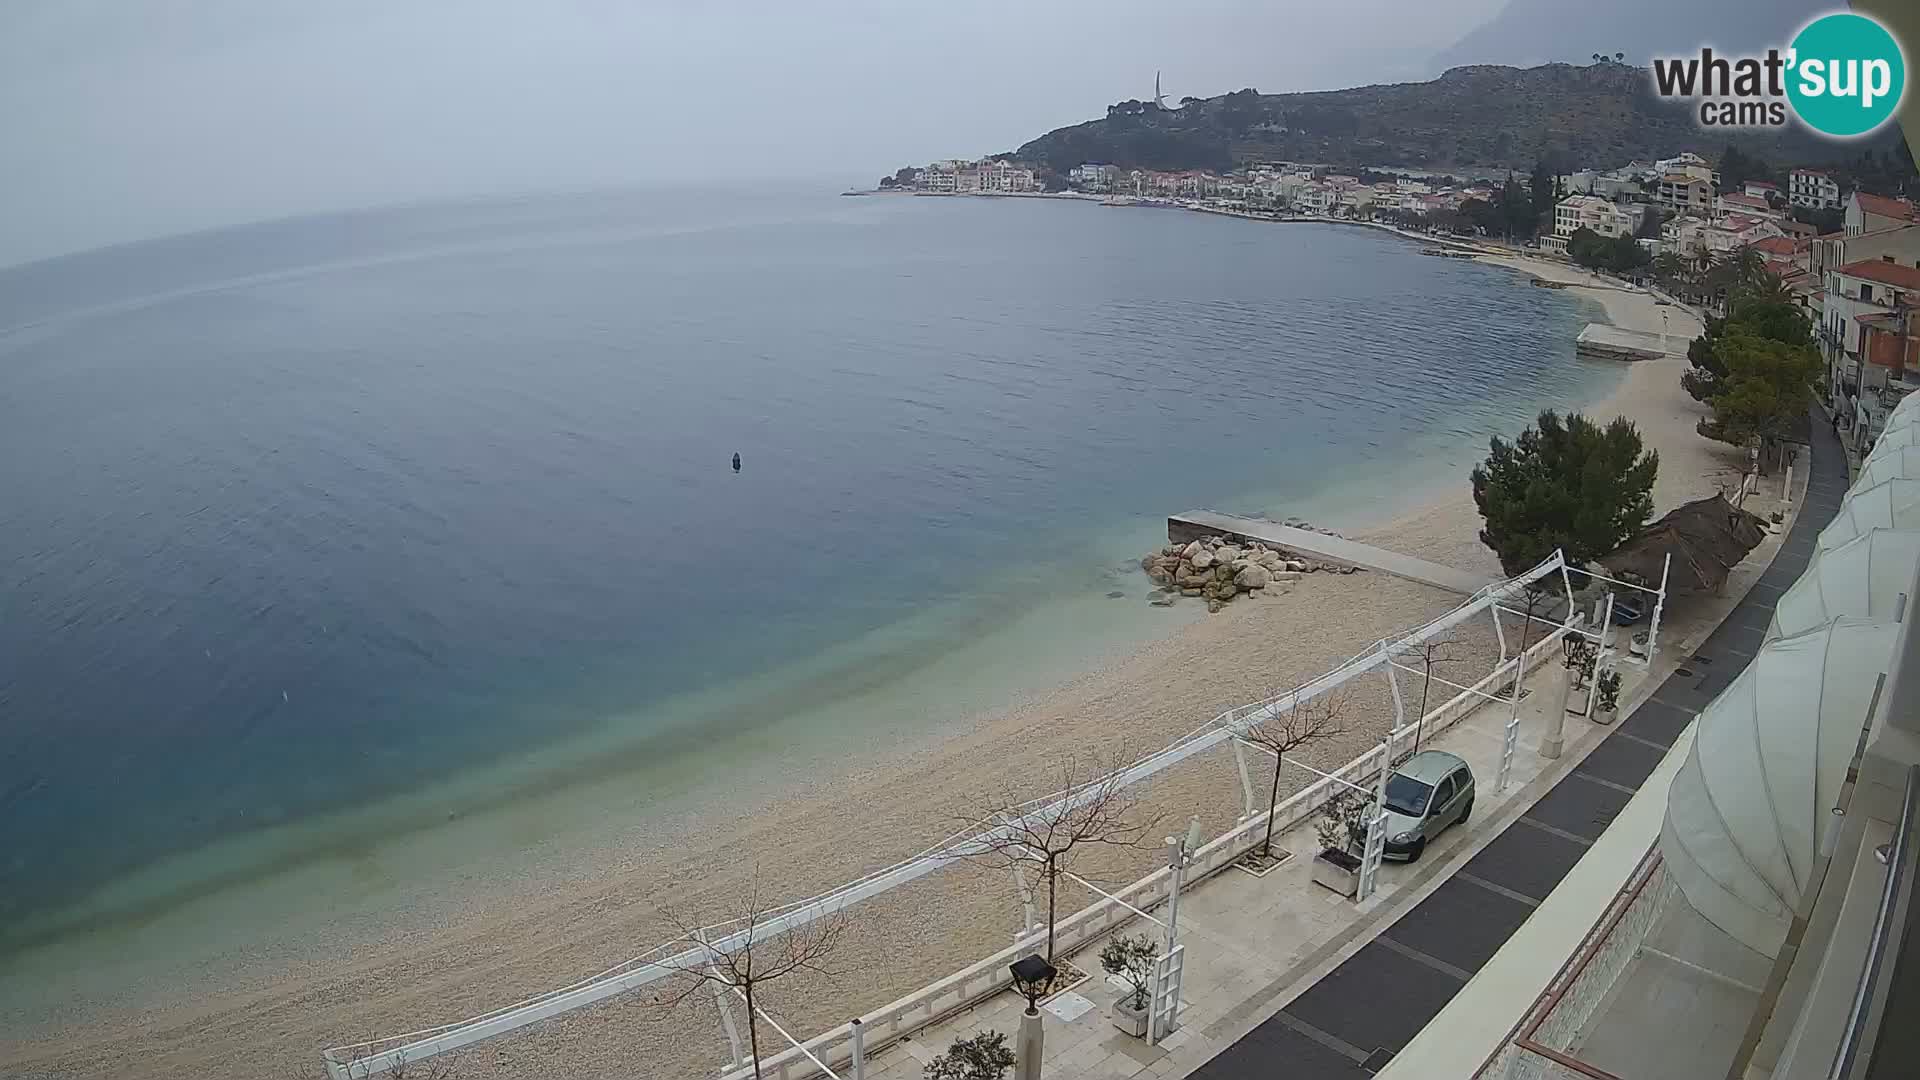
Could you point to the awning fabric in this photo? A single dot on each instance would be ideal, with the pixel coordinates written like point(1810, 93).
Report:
point(1747, 811)
point(1863, 578)
point(1890, 504)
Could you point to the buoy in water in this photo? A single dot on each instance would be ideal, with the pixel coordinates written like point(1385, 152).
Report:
point(736, 462)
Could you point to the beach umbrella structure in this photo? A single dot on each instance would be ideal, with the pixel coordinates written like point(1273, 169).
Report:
point(1703, 540)
point(1866, 577)
point(1890, 504)
point(1747, 811)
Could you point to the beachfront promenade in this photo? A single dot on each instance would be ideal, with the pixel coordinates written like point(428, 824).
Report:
point(1283, 977)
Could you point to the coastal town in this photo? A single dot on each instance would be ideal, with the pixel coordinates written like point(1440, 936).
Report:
point(1849, 257)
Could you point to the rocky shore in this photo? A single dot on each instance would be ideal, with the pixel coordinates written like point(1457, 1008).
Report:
point(1218, 568)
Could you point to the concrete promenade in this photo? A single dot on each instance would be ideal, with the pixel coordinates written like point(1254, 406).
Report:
point(1284, 977)
point(1321, 547)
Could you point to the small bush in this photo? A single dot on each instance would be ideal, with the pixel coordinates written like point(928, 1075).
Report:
point(1132, 958)
point(982, 1057)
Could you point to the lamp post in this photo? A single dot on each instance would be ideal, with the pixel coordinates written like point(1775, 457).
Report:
point(1180, 850)
point(1032, 977)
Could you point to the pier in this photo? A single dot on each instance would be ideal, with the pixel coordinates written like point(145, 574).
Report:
point(1321, 547)
point(1600, 341)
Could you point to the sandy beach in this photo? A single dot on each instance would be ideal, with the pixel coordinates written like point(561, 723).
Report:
point(500, 944)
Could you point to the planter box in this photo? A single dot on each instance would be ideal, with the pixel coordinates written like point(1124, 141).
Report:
point(1604, 716)
point(1131, 1021)
point(1338, 871)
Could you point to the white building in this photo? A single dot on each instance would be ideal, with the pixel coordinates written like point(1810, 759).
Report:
point(1812, 188)
point(1871, 213)
point(1857, 292)
point(1684, 193)
point(1603, 216)
point(1005, 177)
point(1093, 176)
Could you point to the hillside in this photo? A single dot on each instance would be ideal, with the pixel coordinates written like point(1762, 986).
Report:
point(1485, 117)
point(1527, 32)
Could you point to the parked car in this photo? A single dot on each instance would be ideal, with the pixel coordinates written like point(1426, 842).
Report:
point(1431, 791)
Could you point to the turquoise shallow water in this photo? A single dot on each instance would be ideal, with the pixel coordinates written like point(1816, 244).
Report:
point(409, 512)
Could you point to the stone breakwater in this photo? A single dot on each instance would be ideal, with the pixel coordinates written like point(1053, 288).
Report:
point(1217, 569)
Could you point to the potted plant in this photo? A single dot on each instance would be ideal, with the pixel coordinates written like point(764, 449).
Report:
point(1337, 867)
point(1607, 701)
point(981, 1057)
point(1132, 959)
point(1581, 657)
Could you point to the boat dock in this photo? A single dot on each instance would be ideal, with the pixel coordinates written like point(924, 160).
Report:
point(1600, 341)
point(1320, 547)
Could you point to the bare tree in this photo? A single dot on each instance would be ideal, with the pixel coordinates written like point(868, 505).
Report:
point(1092, 808)
point(1442, 650)
point(1284, 732)
point(763, 956)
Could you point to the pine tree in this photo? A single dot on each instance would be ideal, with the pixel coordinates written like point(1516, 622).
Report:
point(1570, 485)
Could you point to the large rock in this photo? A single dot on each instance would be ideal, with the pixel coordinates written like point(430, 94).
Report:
point(1296, 566)
point(1201, 559)
point(1254, 576)
point(1267, 557)
point(1192, 549)
point(1214, 606)
point(1190, 591)
point(1158, 575)
point(1160, 600)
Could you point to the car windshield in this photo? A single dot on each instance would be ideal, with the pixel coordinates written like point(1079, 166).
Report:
point(1408, 796)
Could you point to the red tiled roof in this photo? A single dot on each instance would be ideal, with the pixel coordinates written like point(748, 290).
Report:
point(1754, 201)
point(1884, 207)
point(1905, 277)
point(1762, 184)
point(1776, 245)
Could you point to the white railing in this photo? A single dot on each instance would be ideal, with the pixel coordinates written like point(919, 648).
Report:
point(934, 1002)
point(360, 1061)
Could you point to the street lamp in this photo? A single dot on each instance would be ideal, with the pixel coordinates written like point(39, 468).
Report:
point(1032, 978)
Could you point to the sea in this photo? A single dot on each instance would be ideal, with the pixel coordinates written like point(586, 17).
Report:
point(321, 532)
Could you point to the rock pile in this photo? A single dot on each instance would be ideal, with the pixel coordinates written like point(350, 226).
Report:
point(1216, 569)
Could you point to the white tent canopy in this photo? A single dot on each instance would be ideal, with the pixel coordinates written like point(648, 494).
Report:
point(1890, 504)
point(1894, 439)
point(1900, 464)
point(1747, 811)
point(1863, 578)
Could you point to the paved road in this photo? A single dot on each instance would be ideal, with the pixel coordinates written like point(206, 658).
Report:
point(1349, 1025)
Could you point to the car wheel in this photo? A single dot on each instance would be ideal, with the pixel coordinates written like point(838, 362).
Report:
point(1413, 853)
point(1465, 811)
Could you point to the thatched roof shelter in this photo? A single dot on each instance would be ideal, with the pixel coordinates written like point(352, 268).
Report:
point(1707, 539)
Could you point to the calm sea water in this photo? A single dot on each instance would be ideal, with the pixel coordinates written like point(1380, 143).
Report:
point(302, 516)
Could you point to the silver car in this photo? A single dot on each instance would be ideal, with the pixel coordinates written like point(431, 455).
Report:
point(1430, 791)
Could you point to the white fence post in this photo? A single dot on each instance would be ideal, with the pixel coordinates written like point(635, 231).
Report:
point(859, 1050)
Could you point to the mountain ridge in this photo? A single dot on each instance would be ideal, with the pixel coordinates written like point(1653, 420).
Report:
point(1487, 117)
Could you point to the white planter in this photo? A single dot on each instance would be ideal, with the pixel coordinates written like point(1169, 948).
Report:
point(1131, 1021)
point(1339, 878)
point(1604, 716)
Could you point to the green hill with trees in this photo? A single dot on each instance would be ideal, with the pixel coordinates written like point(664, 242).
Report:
point(1484, 117)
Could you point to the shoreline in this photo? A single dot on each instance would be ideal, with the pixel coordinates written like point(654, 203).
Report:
point(486, 953)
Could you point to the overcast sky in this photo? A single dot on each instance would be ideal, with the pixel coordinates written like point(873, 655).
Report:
point(121, 120)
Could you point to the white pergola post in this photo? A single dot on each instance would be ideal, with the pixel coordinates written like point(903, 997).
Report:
point(859, 1040)
point(1659, 605)
point(1375, 848)
point(1602, 640)
point(1499, 633)
point(1511, 737)
point(726, 1020)
point(1026, 901)
point(1399, 703)
point(1246, 778)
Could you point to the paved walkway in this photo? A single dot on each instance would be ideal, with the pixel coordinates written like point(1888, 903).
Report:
point(1351, 1022)
point(1324, 548)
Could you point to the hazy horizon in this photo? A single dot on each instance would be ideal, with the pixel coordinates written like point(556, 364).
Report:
point(127, 123)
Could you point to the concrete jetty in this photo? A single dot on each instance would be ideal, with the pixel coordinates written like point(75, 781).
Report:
point(1319, 547)
point(1600, 341)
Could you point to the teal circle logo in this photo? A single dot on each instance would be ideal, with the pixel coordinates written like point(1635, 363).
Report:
point(1848, 75)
